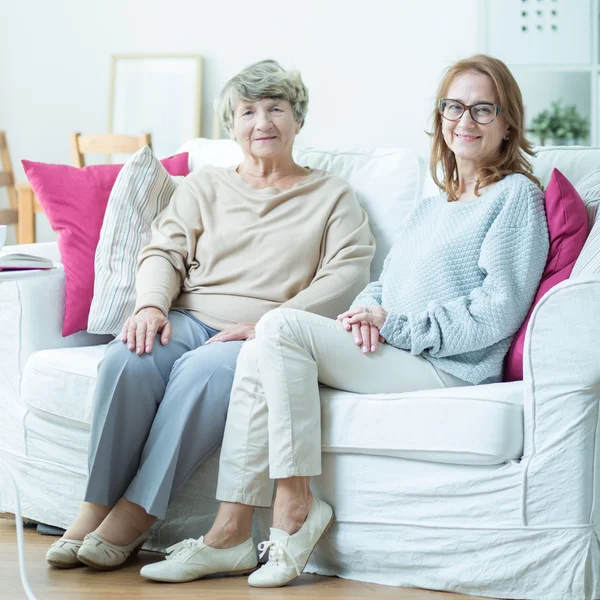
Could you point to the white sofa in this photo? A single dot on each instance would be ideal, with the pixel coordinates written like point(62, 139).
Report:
point(487, 490)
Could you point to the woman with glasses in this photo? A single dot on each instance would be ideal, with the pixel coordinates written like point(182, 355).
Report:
point(454, 290)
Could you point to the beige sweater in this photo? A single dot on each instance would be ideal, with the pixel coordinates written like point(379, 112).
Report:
point(229, 253)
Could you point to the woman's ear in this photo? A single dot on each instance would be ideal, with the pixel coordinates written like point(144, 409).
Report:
point(299, 127)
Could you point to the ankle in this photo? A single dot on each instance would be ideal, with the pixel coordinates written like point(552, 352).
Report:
point(89, 518)
point(228, 535)
point(294, 506)
point(75, 533)
point(289, 514)
point(138, 518)
point(125, 523)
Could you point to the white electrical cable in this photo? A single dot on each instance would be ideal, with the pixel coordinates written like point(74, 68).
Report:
point(20, 541)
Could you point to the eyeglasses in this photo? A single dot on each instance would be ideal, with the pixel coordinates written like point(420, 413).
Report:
point(482, 112)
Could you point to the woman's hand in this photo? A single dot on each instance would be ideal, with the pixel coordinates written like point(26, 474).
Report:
point(374, 315)
point(140, 330)
point(240, 331)
point(364, 331)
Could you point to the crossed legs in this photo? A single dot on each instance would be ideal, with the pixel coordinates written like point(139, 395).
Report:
point(273, 430)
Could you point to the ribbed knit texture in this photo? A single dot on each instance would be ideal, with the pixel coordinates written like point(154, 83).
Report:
point(461, 277)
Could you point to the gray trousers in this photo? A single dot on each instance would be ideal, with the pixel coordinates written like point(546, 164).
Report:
point(156, 417)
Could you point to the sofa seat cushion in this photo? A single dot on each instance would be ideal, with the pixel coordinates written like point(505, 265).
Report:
point(61, 383)
point(480, 425)
point(474, 425)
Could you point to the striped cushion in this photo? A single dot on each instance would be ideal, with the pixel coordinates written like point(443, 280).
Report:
point(588, 262)
point(142, 189)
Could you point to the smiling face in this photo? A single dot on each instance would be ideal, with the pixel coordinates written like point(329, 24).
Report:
point(265, 128)
point(469, 141)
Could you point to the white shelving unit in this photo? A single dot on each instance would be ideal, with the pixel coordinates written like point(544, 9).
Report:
point(552, 47)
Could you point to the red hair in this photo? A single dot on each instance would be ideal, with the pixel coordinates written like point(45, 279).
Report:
point(512, 154)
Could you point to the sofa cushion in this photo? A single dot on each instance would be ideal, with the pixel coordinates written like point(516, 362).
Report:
point(588, 262)
point(471, 425)
point(142, 190)
point(589, 190)
point(479, 425)
point(74, 200)
point(567, 230)
point(575, 162)
point(61, 383)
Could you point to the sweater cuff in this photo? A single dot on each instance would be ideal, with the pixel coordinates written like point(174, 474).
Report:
point(364, 301)
point(152, 300)
point(396, 331)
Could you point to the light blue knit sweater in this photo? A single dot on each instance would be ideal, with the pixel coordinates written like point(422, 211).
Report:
point(461, 277)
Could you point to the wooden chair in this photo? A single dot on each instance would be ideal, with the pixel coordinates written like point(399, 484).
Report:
point(80, 145)
point(8, 216)
point(106, 144)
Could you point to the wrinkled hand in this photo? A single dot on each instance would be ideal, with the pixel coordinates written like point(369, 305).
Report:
point(140, 330)
point(240, 331)
point(361, 323)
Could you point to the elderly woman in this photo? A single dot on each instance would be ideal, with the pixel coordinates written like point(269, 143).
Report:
point(454, 290)
point(232, 245)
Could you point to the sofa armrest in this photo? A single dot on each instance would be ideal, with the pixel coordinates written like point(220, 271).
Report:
point(31, 316)
point(561, 405)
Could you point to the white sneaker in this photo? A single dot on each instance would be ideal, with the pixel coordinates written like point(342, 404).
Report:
point(193, 559)
point(63, 553)
point(288, 554)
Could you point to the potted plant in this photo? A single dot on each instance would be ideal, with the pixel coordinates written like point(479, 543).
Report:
point(561, 125)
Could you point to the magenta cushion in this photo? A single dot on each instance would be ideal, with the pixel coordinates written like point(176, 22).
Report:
point(568, 230)
point(74, 200)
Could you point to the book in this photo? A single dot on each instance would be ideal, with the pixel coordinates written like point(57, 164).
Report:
point(23, 262)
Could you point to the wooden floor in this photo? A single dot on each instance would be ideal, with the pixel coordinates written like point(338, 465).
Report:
point(85, 584)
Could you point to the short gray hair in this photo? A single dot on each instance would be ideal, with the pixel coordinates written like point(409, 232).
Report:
point(264, 79)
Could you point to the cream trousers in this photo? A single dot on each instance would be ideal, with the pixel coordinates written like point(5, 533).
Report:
point(273, 425)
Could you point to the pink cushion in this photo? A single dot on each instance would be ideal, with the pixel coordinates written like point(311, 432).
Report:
point(74, 201)
point(568, 230)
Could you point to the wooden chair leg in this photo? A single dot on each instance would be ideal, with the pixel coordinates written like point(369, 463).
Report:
point(26, 225)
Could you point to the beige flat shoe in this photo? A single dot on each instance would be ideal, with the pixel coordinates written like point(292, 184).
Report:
point(99, 554)
point(62, 554)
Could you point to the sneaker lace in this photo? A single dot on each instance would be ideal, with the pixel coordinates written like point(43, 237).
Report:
point(181, 547)
point(277, 553)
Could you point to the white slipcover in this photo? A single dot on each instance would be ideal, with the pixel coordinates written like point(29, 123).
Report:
point(487, 490)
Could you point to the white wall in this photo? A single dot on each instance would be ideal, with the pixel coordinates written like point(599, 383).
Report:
point(371, 66)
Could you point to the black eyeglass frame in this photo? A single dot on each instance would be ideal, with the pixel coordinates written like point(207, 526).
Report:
point(444, 101)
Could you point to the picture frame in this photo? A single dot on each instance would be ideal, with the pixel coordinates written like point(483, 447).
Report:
point(159, 94)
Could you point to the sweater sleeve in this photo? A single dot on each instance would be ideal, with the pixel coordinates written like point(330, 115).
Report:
point(164, 263)
point(347, 250)
point(512, 257)
point(371, 295)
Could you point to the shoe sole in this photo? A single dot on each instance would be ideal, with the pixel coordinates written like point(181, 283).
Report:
point(304, 567)
point(221, 574)
point(99, 567)
point(60, 565)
